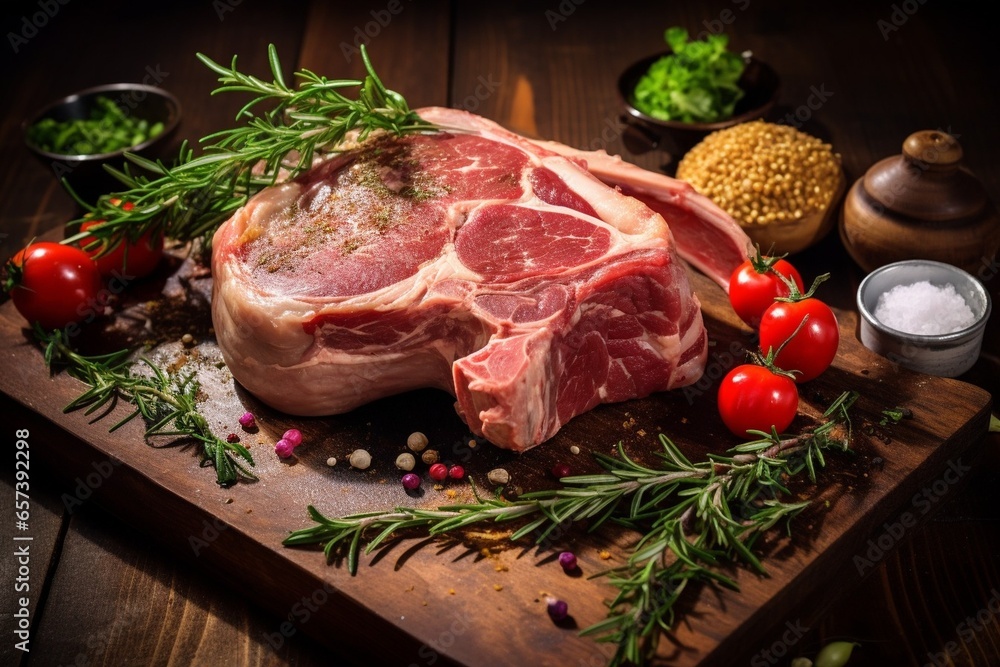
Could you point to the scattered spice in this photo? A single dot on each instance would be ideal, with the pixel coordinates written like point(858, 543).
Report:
point(498, 476)
point(497, 587)
point(438, 472)
point(405, 461)
point(293, 436)
point(430, 456)
point(604, 554)
point(574, 450)
point(411, 482)
point(283, 448)
point(360, 459)
point(232, 438)
point(417, 441)
point(187, 340)
point(332, 461)
point(456, 472)
point(560, 470)
point(248, 421)
point(567, 559)
point(558, 609)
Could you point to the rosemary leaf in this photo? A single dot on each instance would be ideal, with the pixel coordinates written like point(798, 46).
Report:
point(191, 198)
point(166, 403)
point(694, 518)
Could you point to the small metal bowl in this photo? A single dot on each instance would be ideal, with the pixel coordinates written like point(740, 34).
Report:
point(944, 355)
point(760, 85)
point(85, 174)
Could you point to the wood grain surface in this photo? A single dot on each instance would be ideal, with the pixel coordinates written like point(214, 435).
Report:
point(406, 591)
point(132, 590)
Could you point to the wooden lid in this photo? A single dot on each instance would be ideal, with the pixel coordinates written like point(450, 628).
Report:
point(927, 182)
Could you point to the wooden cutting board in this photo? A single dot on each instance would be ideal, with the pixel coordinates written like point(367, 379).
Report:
point(480, 600)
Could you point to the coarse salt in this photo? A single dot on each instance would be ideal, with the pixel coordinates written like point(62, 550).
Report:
point(924, 309)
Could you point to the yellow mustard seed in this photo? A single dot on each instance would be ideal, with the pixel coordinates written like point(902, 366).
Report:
point(762, 173)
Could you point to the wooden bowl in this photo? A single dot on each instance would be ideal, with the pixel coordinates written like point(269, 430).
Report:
point(760, 84)
point(793, 236)
point(921, 204)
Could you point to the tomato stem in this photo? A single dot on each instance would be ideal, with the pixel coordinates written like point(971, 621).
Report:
point(767, 360)
point(795, 294)
point(762, 263)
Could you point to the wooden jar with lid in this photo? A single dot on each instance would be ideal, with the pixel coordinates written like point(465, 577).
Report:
point(922, 204)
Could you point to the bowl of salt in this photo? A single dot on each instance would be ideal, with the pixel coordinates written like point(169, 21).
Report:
point(924, 315)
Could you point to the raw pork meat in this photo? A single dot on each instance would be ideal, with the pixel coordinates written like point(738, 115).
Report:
point(706, 236)
point(471, 260)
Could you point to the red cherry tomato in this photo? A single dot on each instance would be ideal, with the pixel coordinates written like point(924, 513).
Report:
point(55, 284)
point(812, 349)
point(753, 287)
point(753, 397)
point(131, 260)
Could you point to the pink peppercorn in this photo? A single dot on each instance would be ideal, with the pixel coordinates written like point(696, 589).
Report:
point(568, 560)
point(558, 609)
point(283, 448)
point(438, 471)
point(248, 421)
point(560, 470)
point(456, 472)
point(411, 482)
point(294, 436)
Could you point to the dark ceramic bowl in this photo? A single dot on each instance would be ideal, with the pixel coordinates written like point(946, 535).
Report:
point(760, 85)
point(85, 174)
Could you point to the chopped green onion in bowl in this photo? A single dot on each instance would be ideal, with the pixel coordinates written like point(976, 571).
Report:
point(108, 129)
point(82, 139)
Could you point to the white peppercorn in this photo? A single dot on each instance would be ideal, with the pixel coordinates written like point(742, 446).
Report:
point(498, 476)
point(405, 461)
point(360, 459)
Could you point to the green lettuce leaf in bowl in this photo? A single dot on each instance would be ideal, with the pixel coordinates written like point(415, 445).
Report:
point(696, 83)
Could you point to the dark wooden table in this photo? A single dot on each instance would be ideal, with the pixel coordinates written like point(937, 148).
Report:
point(546, 69)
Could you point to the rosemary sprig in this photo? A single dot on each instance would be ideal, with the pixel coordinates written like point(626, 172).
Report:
point(694, 519)
point(189, 200)
point(192, 198)
point(166, 402)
